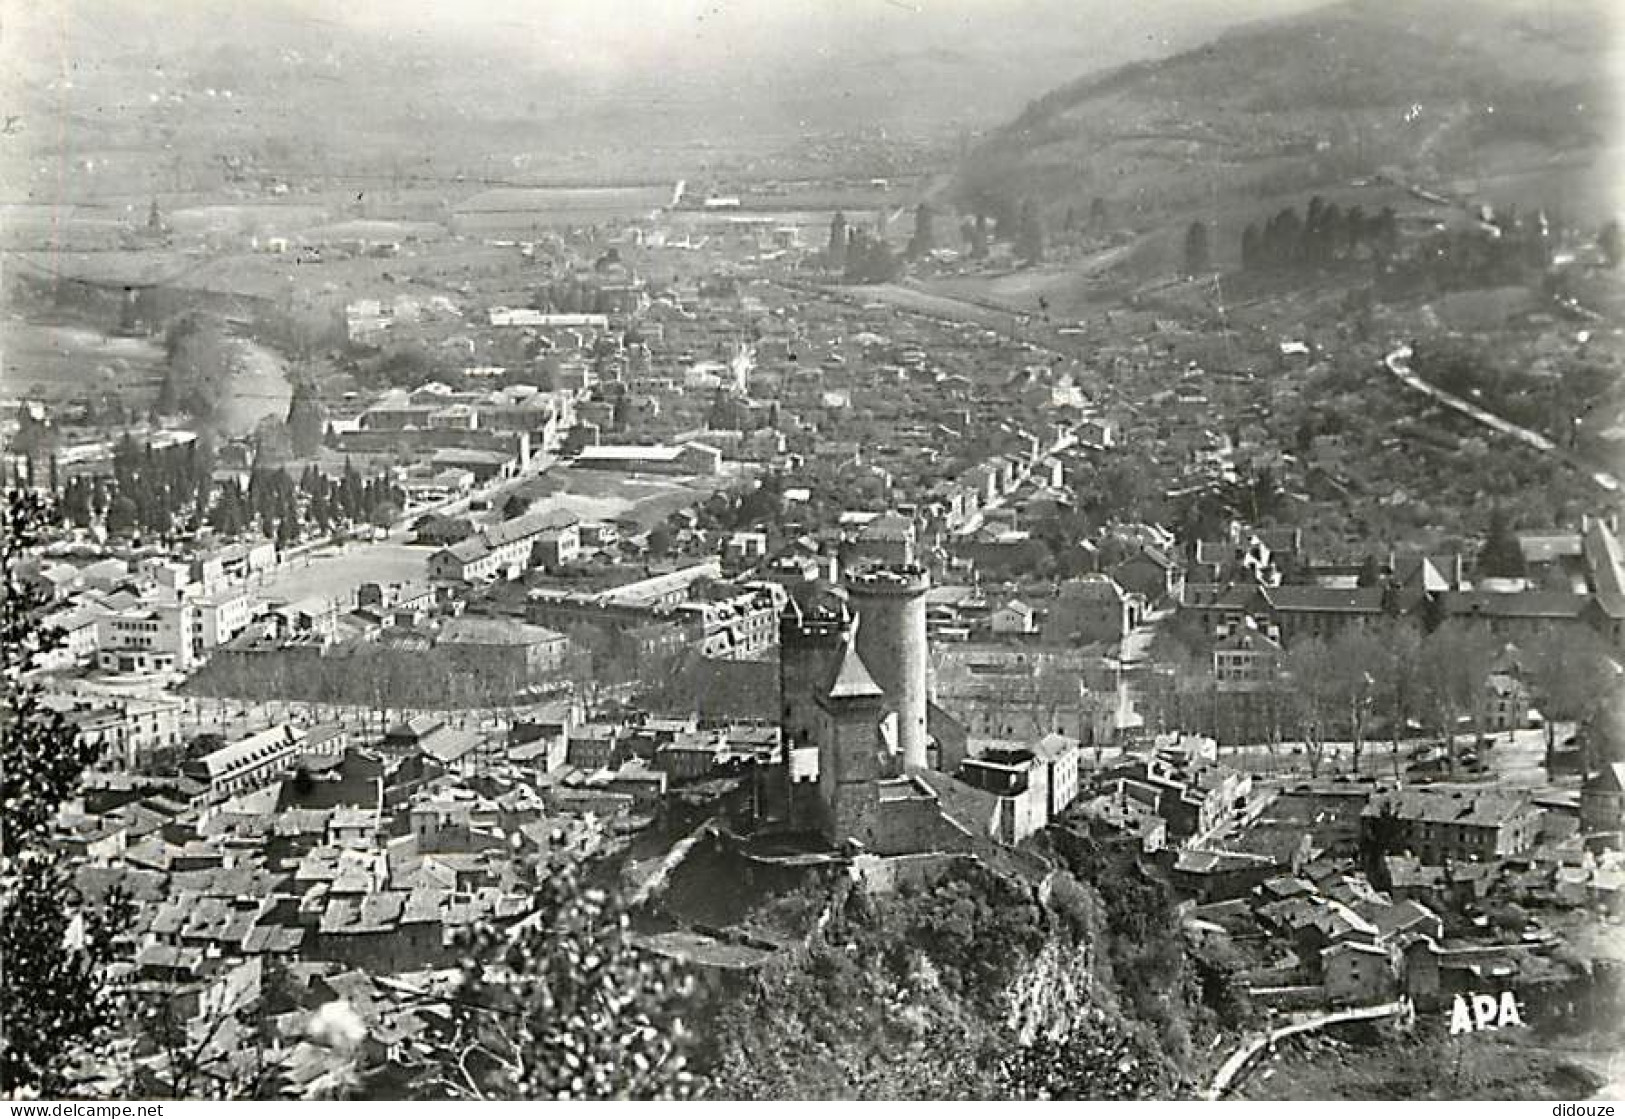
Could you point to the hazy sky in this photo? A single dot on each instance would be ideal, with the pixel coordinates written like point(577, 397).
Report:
point(611, 37)
point(615, 33)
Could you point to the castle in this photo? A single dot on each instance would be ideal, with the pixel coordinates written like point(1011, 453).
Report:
point(853, 686)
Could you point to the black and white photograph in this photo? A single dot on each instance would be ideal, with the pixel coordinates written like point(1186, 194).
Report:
point(773, 550)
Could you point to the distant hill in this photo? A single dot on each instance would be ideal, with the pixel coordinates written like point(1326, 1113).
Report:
point(114, 96)
point(1428, 89)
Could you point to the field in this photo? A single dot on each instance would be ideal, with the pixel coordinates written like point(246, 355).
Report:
point(931, 303)
point(259, 388)
point(335, 573)
point(604, 495)
point(60, 362)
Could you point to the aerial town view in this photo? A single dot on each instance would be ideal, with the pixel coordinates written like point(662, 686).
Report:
point(824, 549)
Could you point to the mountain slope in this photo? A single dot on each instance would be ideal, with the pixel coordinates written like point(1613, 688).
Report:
point(1429, 87)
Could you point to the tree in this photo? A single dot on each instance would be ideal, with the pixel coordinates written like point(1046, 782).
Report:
point(76, 502)
point(838, 236)
point(1097, 214)
point(1250, 248)
point(201, 361)
point(660, 540)
point(384, 515)
point(307, 422)
point(922, 241)
point(979, 238)
point(1611, 244)
point(273, 443)
point(54, 1002)
point(1500, 557)
point(1571, 672)
point(1309, 676)
point(1096, 1059)
point(1453, 666)
point(1196, 249)
point(566, 1007)
point(1355, 656)
point(517, 505)
point(1394, 676)
point(122, 516)
point(1030, 233)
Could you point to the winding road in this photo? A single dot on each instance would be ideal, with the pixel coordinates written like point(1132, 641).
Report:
point(1248, 1051)
point(1397, 362)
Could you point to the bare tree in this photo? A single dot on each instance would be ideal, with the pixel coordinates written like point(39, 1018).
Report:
point(1309, 679)
point(1355, 658)
point(1452, 670)
point(1395, 678)
point(1571, 671)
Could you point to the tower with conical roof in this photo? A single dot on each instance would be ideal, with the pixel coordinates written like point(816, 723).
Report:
point(857, 746)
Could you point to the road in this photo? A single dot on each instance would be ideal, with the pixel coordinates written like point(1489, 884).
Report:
point(1254, 1044)
point(1397, 362)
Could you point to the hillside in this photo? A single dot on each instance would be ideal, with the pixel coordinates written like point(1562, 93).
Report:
point(1429, 90)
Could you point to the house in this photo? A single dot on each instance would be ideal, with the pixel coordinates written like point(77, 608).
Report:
point(1359, 974)
point(557, 547)
point(1093, 608)
point(688, 756)
point(1506, 702)
point(148, 637)
point(1059, 755)
point(502, 648)
point(454, 750)
point(125, 732)
point(1152, 573)
point(1246, 659)
point(1210, 876)
point(80, 635)
point(248, 763)
point(1020, 781)
point(1451, 824)
point(1322, 612)
point(1602, 799)
point(504, 550)
point(1515, 616)
point(1097, 432)
point(1014, 617)
point(687, 458)
point(592, 746)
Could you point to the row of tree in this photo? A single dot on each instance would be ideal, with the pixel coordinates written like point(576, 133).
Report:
point(1392, 674)
point(158, 493)
point(151, 490)
point(1326, 235)
point(866, 258)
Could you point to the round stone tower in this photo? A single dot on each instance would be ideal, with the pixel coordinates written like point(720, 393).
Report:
point(889, 600)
